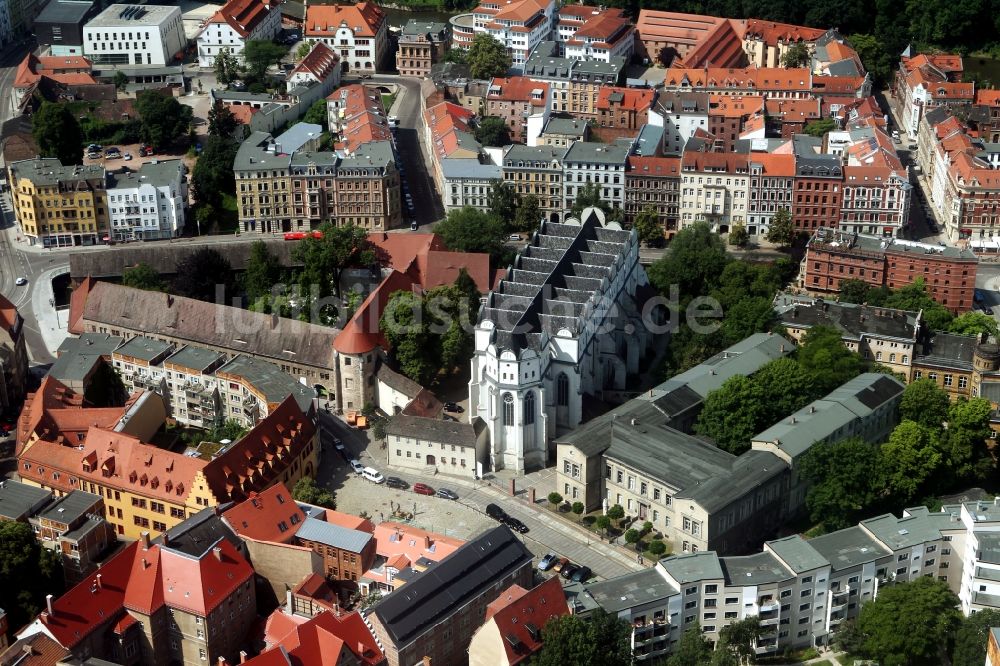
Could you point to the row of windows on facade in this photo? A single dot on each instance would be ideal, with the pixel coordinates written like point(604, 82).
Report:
point(459, 462)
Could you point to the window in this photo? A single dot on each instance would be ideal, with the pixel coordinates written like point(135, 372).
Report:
point(562, 390)
point(711, 589)
point(508, 409)
point(529, 408)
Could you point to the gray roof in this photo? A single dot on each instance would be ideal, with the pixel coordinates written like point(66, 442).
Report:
point(566, 127)
point(47, 171)
point(197, 534)
point(398, 381)
point(520, 152)
point(587, 152)
point(756, 569)
point(435, 430)
point(80, 531)
point(298, 135)
point(678, 102)
point(195, 358)
point(693, 567)
point(453, 168)
point(823, 419)
point(127, 16)
point(313, 529)
point(649, 140)
point(947, 350)
point(852, 320)
point(747, 472)
point(744, 358)
point(544, 63)
point(983, 512)
point(64, 11)
point(848, 548)
point(435, 30)
point(69, 508)
point(831, 240)
point(845, 67)
point(222, 326)
point(18, 499)
point(269, 379)
point(899, 533)
point(631, 590)
point(371, 154)
point(475, 569)
point(811, 162)
point(158, 173)
point(144, 349)
point(253, 154)
point(78, 356)
point(797, 553)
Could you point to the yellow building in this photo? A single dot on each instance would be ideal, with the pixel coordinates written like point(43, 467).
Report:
point(59, 206)
point(537, 170)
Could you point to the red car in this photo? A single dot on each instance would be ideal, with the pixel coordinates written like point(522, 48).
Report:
point(422, 489)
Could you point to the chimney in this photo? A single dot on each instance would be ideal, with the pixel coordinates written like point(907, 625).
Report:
point(44, 617)
point(98, 579)
point(427, 661)
point(144, 537)
point(427, 540)
point(145, 564)
point(243, 656)
point(218, 553)
point(288, 602)
point(222, 661)
point(165, 538)
point(48, 604)
point(361, 648)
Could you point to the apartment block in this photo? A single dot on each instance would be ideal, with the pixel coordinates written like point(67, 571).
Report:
point(600, 165)
point(520, 25)
point(654, 182)
point(715, 187)
point(594, 33)
point(59, 206)
point(817, 187)
point(949, 273)
point(563, 131)
point(925, 82)
point(468, 182)
point(680, 114)
point(772, 186)
point(537, 170)
point(422, 44)
point(574, 85)
point(624, 108)
point(346, 553)
point(523, 105)
point(125, 34)
point(766, 42)
point(148, 204)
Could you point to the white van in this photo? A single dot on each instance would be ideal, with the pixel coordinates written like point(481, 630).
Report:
point(373, 475)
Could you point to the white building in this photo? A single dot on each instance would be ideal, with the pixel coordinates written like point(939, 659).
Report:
point(147, 204)
point(520, 25)
point(359, 33)
point(134, 35)
point(680, 114)
point(467, 182)
point(594, 33)
point(564, 322)
point(320, 66)
point(236, 23)
point(602, 164)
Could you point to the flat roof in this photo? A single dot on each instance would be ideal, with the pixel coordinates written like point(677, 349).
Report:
point(313, 529)
point(269, 379)
point(848, 548)
point(143, 348)
point(632, 589)
point(756, 569)
point(64, 11)
point(69, 508)
point(693, 567)
point(129, 16)
point(16, 498)
point(797, 553)
point(195, 358)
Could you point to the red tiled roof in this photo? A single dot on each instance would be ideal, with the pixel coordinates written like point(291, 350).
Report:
point(632, 99)
point(323, 639)
point(361, 333)
point(8, 314)
point(521, 10)
point(774, 164)
point(242, 15)
point(987, 97)
point(654, 166)
point(70, 70)
point(734, 106)
point(349, 521)
point(730, 162)
point(434, 269)
point(771, 33)
point(516, 608)
point(518, 89)
point(35, 650)
point(365, 19)
point(392, 539)
point(279, 625)
point(242, 112)
point(747, 78)
point(793, 109)
point(675, 27)
point(946, 63)
point(77, 303)
point(399, 250)
point(260, 515)
point(321, 61)
point(605, 27)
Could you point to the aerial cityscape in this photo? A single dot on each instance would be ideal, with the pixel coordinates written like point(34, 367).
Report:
point(499, 332)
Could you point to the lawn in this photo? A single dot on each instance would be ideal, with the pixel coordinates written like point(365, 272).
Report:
point(229, 220)
point(387, 101)
point(983, 69)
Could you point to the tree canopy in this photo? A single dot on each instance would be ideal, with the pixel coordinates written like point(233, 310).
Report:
point(202, 274)
point(317, 114)
point(974, 323)
point(259, 54)
point(502, 201)
point(818, 128)
point(487, 57)
point(262, 272)
point(142, 276)
point(972, 637)
point(212, 175)
point(470, 230)
point(797, 55)
point(164, 120)
point(828, 360)
point(325, 258)
point(29, 573)
point(492, 131)
point(599, 640)
point(693, 262)
point(221, 121)
point(528, 214)
point(781, 230)
point(57, 133)
point(227, 67)
point(693, 649)
point(306, 490)
point(842, 484)
point(648, 226)
point(925, 403)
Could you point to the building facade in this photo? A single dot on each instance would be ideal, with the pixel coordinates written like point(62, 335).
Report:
point(422, 44)
point(520, 25)
point(236, 23)
point(574, 85)
point(59, 206)
point(522, 104)
point(654, 182)
point(597, 165)
point(13, 356)
point(359, 33)
point(148, 204)
point(537, 170)
point(135, 35)
point(715, 187)
point(437, 446)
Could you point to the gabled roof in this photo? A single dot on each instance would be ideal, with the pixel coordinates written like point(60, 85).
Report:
point(35, 650)
point(262, 515)
point(364, 19)
point(242, 15)
point(520, 615)
point(631, 99)
point(323, 639)
point(518, 89)
point(321, 62)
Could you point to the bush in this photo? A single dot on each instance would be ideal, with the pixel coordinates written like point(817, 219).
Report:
point(578, 508)
point(616, 512)
point(555, 498)
point(647, 527)
point(589, 520)
point(657, 547)
point(631, 536)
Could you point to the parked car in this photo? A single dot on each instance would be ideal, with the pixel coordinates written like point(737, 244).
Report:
point(453, 407)
point(422, 489)
point(560, 563)
point(495, 512)
point(356, 466)
point(569, 570)
point(338, 444)
point(21, 281)
point(372, 474)
point(94, 155)
point(112, 152)
point(546, 562)
point(515, 237)
point(94, 148)
point(581, 575)
point(515, 524)
point(445, 493)
point(127, 156)
point(396, 482)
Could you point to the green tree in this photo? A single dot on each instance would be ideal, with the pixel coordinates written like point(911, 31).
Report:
point(317, 114)
point(212, 175)
point(925, 403)
point(470, 230)
point(259, 54)
point(631, 536)
point(788, 387)
point(555, 498)
point(797, 55)
point(221, 121)
point(599, 639)
point(406, 330)
point(487, 57)
point(841, 483)
point(739, 639)
point(974, 323)
point(738, 236)
point(142, 276)
point(492, 131)
point(732, 414)
point(914, 297)
point(306, 490)
point(528, 215)
point(262, 272)
point(603, 523)
point(29, 573)
point(693, 649)
point(326, 257)
point(202, 274)
point(854, 291)
point(827, 359)
point(57, 133)
point(874, 57)
point(657, 547)
point(971, 638)
point(120, 80)
point(577, 508)
point(967, 437)
point(502, 201)
point(908, 459)
point(457, 56)
point(694, 262)
point(781, 231)
point(303, 50)
point(589, 196)
point(818, 128)
point(648, 227)
point(746, 317)
point(164, 120)
point(616, 512)
point(227, 67)
point(910, 623)
point(742, 280)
